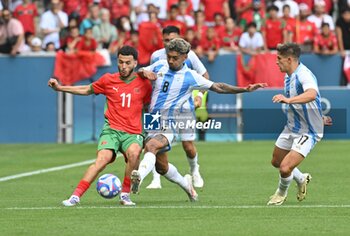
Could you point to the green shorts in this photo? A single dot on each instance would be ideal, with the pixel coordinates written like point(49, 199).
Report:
point(118, 140)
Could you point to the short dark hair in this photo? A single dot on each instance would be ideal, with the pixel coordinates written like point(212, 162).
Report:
point(171, 29)
point(272, 7)
point(285, 6)
point(324, 24)
point(251, 24)
point(127, 51)
point(289, 49)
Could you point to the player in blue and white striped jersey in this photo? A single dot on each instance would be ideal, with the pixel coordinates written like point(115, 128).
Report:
point(304, 122)
point(173, 85)
point(187, 136)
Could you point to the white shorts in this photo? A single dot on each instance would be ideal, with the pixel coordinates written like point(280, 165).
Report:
point(170, 136)
point(301, 143)
point(188, 134)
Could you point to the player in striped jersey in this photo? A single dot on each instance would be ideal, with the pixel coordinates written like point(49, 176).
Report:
point(172, 87)
point(188, 136)
point(304, 126)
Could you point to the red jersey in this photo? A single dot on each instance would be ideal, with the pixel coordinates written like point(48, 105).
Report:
point(211, 7)
point(79, 6)
point(326, 43)
point(175, 2)
point(179, 24)
point(303, 31)
point(86, 45)
point(26, 15)
point(230, 39)
point(200, 30)
point(248, 15)
point(274, 32)
point(213, 44)
point(150, 41)
point(116, 8)
point(125, 101)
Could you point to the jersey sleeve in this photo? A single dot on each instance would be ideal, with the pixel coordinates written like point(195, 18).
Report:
point(197, 65)
point(200, 82)
point(98, 87)
point(155, 66)
point(308, 80)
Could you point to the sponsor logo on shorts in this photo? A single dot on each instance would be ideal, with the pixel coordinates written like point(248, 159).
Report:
point(104, 142)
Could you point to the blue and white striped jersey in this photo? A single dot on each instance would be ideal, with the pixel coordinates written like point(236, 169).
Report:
point(192, 60)
point(173, 88)
point(304, 118)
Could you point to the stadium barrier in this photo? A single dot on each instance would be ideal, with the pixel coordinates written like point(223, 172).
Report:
point(30, 110)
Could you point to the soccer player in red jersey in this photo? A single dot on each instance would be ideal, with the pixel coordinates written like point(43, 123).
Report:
point(126, 94)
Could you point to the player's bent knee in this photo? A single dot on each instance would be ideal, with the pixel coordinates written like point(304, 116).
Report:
point(285, 170)
point(275, 163)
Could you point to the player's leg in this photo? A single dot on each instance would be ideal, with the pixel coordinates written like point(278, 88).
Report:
point(170, 172)
point(104, 157)
point(153, 145)
point(132, 147)
point(156, 183)
point(192, 158)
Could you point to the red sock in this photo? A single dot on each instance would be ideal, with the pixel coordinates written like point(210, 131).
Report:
point(126, 184)
point(81, 188)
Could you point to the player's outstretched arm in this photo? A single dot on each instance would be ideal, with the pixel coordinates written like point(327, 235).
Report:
point(77, 90)
point(327, 120)
point(145, 74)
point(226, 88)
point(308, 96)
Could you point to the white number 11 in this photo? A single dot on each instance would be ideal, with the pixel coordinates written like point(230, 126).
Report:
point(128, 96)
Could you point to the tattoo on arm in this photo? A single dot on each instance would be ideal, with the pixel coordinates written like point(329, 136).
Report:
point(226, 88)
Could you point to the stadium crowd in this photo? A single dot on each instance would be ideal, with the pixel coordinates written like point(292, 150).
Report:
point(211, 26)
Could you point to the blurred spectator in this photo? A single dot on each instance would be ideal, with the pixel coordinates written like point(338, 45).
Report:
point(185, 16)
point(326, 43)
point(211, 7)
point(134, 39)
point(87, 42)
point(172, 20)
point(142, 8)
point(27, 42)
point(304, 31)
point(185, 4)
point(79, 8)
point(250, 11)
point(117, 8)
point(72, 39)
point(230, 36)
point(92, 19)
point(320, 16)
point(200, 27)
point(151, 39)
point(1, 7)
point(273, 29)
point(26, 13)
point(51, 22)
point(11, 4)
point(104, 33)
point(342, 5)
point(293, 7)
point(11, 34)
point(219, 24)
point(36, 45)
point(209, 45)
point(288, 19)
point(50, 47)
point(343, 31)
point(190, 36)
point(65, 32)
point(251, 41)
point(124, 27)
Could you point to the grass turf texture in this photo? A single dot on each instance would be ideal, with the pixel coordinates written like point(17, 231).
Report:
point(238, 181)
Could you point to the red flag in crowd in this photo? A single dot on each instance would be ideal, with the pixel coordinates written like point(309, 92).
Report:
point(71, 68)
point(346, 67)
point(261, 68)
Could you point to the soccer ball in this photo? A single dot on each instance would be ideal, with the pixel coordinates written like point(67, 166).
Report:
point(108, 186)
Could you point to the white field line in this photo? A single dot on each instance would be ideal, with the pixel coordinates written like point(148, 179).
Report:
point(37, 172)
point(178, 207)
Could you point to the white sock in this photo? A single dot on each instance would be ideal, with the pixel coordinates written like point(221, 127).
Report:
point(174, 176)
point(156, 176)
point(147, 164)
point(283, 185)
point(298, 176)
point(193, 162)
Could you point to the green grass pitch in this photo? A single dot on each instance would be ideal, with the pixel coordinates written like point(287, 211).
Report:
point(238, 181)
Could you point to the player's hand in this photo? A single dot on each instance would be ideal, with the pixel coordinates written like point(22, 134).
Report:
point(148, 75)
point(253, 87)
point(280, 98)
point(53, 83)
point(197, 102)
point(327, 120)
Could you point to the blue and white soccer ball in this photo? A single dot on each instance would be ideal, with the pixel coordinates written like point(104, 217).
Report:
point(108, 186)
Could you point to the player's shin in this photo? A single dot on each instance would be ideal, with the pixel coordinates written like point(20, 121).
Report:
point(174, 176)
point(298, 176)
point(284, 184)
point(147, 164)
